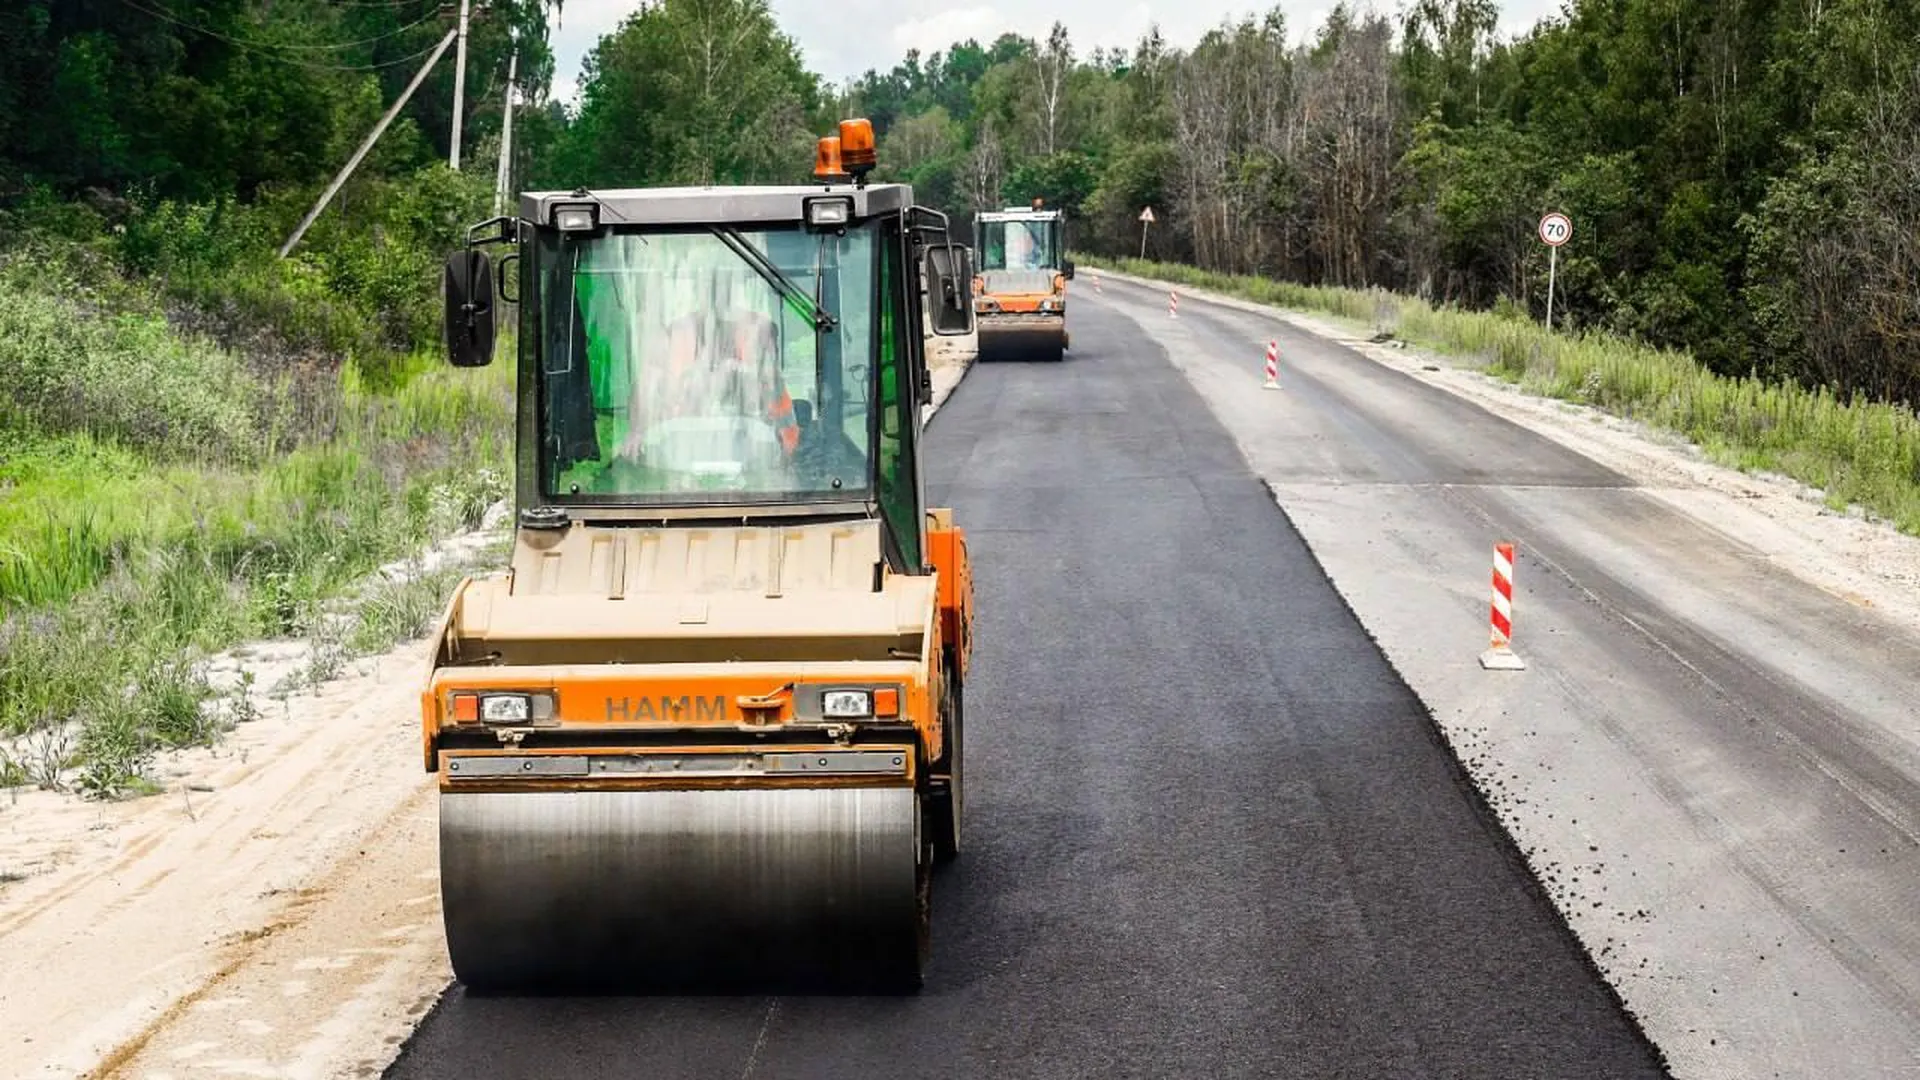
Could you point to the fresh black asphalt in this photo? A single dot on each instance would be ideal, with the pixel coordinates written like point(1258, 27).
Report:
point(1210, 833)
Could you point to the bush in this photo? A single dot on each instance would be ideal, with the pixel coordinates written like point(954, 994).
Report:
point(119, 377)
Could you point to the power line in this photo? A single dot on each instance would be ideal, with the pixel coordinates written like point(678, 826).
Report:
point(177, 20)
point(268, 50)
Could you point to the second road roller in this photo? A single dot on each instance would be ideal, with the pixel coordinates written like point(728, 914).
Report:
point(1020, 291)
point(704, 731)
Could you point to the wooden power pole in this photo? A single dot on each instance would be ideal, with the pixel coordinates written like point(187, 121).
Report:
point(372, 137)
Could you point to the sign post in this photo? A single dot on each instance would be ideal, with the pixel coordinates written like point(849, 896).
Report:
point(1555, 229)
point(1146, 219)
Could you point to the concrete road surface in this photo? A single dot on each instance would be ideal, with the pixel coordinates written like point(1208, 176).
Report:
point(1211, 833)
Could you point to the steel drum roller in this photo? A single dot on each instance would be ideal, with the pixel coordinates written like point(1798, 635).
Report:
point(683, 890)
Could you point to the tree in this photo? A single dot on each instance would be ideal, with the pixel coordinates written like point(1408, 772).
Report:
point(1740, 172)
point(1446, 46)
point(691, 92)
point(1052, 69)
point(204, 99)
point(984, 172)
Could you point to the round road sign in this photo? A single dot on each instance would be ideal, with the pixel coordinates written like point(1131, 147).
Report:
point(1555, 229)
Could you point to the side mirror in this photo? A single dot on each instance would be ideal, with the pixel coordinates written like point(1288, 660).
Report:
point(1066, 268)
point(467, 286)
point(501, 271)
point(951, 313)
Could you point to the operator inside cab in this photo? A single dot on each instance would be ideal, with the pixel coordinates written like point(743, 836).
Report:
point(1023, 250)
point(726, 363)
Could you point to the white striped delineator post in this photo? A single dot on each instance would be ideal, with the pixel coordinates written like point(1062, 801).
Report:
point(1273, 366)
point(1096, 281)
point(1500, 656)
point(1173, 305)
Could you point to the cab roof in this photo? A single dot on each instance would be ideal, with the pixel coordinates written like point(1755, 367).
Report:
point(738, 205)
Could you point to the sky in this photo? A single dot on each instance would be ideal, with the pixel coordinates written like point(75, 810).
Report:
point(886, 29)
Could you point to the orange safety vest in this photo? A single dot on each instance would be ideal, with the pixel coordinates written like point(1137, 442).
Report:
point(752, 342)
point(781, 413)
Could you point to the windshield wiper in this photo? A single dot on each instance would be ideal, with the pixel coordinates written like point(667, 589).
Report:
point(803, 304)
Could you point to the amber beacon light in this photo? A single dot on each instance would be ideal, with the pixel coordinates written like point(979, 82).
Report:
point(856, 146)
point(826, 160)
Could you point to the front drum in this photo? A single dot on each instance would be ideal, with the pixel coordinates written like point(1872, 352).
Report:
point(684, 891)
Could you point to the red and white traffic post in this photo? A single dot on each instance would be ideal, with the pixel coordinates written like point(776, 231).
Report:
point(1173, 305)
point(1273, 366)
point(1500, 655)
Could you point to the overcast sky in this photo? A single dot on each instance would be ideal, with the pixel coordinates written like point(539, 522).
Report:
point(843, 38)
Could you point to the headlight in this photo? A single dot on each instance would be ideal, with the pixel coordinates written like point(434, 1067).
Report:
point(501, 707)
point(847, 704)
point(505, 708)
point(575, 218)
point(829, 213)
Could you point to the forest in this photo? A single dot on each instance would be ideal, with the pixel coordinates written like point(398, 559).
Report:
point(205, 441)
point(1740, 175)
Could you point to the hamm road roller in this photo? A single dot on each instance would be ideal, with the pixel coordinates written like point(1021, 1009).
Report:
point(704, 732)
point(1020, 292)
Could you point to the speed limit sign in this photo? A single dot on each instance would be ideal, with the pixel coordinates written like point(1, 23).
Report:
point(1555, 229)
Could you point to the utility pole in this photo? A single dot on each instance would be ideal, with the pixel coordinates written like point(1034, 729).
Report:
point(503, 181)
point(459, 86)
point(373, 137)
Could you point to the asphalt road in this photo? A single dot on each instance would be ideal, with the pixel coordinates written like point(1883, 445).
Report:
point(1713, 764)
point(1211, 832)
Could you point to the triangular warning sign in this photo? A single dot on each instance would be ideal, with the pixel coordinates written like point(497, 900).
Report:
point(1146, 214)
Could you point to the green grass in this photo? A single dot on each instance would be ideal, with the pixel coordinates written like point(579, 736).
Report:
point(397, 611)
point(1864, 454)
point(163, 498)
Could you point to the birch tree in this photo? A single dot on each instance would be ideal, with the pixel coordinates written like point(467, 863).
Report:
point(1054, 68)
point(984, 172)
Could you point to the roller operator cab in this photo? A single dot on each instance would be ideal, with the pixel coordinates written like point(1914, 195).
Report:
point(1020, 289)
point(705, 730)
